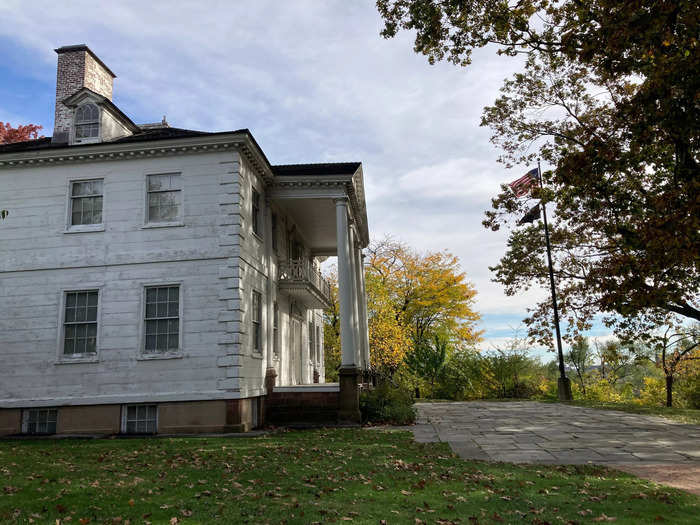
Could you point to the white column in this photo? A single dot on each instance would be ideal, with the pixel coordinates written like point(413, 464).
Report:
point(270, 296)
point(362, 302)
point(345, 289)
point(355, 303)
point(268, 292)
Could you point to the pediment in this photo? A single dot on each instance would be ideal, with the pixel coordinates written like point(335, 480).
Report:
point(84, 95)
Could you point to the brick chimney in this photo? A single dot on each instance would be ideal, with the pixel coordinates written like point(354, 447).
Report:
point(78, 67)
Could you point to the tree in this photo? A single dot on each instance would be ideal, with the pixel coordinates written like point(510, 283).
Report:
point(427, 360)
point(579, 357)
point(506, 367)
point(428, 293)
point(608, 96)
point(410, 298)
point(8, 134)
point(331, 331)
point(676, 347)
point(616, 359)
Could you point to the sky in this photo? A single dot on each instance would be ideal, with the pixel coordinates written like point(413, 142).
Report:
point(314, 82)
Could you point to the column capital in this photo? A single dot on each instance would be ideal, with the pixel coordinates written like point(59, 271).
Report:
point(341, 201)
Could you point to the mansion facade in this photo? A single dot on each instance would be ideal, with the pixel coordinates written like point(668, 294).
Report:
point(163, 280)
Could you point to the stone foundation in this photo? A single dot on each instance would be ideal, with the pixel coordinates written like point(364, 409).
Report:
point(186, 417)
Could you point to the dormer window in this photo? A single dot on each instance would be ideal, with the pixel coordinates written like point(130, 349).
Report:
point(87, 123)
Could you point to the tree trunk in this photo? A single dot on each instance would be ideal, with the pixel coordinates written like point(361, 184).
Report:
point(669, 391)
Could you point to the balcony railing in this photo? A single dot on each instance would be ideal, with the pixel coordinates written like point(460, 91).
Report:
point(301, 271)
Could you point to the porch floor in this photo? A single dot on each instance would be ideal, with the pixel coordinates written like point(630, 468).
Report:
point(315, 387)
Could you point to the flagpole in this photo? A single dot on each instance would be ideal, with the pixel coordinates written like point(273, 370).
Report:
point(564, 384)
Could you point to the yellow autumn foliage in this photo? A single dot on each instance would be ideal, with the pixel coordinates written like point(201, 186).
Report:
point(409, 296)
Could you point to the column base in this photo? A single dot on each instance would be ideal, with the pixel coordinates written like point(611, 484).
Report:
point(564, 389)
point(270, 380)
point(349, 399)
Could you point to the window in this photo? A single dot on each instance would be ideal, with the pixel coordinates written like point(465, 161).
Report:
point(86, 202)
point(80, 323)
point(40, 421)
point(140, 419)
point(164, 198)
point(274, 231)
point(275, 330)
point(257, 326)
point(318, 345)
point(257, 226)
point(162, 319)
point(312, 356)
point(87, 122)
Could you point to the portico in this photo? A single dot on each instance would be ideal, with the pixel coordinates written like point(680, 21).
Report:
point(326, 205)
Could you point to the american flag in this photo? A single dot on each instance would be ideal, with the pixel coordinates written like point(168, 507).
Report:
point(521, 187)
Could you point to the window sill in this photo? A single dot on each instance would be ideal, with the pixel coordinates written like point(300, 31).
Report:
point(257, 355)
point(85, 229)
point(151, 225)
point(92, 358)
point(156, 357)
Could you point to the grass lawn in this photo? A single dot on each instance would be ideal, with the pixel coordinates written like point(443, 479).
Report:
point(316, 476)
point(682, 415)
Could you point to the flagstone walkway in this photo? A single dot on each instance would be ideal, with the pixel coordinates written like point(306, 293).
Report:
point(553, 433)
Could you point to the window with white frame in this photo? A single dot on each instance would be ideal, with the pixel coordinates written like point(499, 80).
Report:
point(255, 213)
point(164, 198)
point(257, 323)
point(162, 319)
point(87, 122)
point(39, 421)
point(276, 330)
point(86, 202)
point(318, 345)
point(140, 419)
point(312, 357)
point(80, 323)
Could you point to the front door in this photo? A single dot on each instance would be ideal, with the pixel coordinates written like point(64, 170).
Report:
point(295, 351)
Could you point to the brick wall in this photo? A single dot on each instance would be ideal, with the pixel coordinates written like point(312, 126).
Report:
point(301, 407)
point(77, 69)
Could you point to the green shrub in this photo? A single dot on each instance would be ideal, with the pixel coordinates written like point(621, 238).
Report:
point(387, 403)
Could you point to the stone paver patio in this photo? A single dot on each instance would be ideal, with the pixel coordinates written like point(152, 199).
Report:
point(552, 433)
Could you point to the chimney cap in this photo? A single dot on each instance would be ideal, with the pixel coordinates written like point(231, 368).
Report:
point(83, 47)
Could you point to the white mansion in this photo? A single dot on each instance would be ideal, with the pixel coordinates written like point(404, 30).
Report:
point(157, 279)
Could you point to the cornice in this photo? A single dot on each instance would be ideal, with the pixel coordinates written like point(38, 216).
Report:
point(350, 185)
point(110, 151)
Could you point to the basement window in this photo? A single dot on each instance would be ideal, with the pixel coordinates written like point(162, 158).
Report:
point(87, 123)
point(40, 421)
point(140, 419)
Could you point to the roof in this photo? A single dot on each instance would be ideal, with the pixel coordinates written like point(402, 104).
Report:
point(328, 168)
point(143, 136)
point(166, 133)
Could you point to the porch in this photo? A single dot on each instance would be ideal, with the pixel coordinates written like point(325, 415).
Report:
point(326, 205)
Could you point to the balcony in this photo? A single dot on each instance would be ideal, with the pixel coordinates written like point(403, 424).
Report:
point(300, 280)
